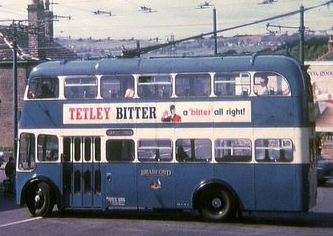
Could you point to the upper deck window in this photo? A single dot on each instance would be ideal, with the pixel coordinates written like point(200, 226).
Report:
point(232, 84)
point(154, 86)
point(40, 88)
point(193, 85)
point(117, 86)
point(269, 83)
point(81, 87)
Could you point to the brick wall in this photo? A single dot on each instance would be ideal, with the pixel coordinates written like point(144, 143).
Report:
point(6, 96)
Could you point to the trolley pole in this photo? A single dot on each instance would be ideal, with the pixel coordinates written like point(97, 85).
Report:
point(301, 34)
point(15, 92)
point(215, 31)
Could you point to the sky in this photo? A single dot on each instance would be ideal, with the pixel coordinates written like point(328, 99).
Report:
point(180, 18)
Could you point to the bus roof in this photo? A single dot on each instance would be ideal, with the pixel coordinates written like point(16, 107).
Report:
point(278, 63)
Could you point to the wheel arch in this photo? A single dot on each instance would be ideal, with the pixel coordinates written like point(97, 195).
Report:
point(211, 184)
point(38, 179)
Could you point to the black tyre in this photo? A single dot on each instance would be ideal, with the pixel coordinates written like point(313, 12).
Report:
point(217, 205)
point(39, 200)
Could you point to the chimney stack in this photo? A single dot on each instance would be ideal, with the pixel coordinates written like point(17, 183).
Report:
point(37, 29)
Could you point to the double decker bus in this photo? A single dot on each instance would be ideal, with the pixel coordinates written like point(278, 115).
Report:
point(221, 135)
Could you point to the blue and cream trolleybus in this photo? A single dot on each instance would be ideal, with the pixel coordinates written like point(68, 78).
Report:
point(220, 135)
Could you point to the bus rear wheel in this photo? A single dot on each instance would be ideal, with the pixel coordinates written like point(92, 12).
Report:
point(39, 200)
point(217, 204)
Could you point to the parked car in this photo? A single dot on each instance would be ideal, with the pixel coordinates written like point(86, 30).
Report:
point(324, 170)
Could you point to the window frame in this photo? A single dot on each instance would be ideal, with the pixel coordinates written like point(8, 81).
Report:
point(157, 148)
point(232, 148)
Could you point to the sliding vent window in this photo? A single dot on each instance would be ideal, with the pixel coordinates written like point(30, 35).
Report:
point(114, 87)
point(193, 85)
point(193, 150)
point(155, 86)
point(232, 84)
point(274, 150)
point(81, 87)
point(150, 150)
point(233, 150)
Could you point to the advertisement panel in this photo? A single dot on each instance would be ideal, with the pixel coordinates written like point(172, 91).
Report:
point(321, 73)
point(185, 112)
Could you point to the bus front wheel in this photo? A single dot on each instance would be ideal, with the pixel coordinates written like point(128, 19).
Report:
point(217, 204)
point(39, 200)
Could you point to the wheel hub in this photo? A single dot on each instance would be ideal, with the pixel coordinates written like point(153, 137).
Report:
point(216, 203)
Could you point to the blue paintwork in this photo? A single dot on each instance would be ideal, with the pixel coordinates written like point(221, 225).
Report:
point(260, 187)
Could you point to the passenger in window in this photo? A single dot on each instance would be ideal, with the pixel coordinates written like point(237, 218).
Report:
point(181, 154)
point(129, 93)
point(171, 116)
point(46, 92)
point(264, 87)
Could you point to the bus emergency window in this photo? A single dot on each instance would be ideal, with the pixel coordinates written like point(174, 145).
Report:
point(47, 147)
point(151, 150)
point(119, 86)
point(154, 86)
point(231, 84)
point(81, 87)
point(233, 150)
point(120, 150)
point(274, 150)
point(269, 83)
point(193, 85)
point(40, 88)
point(27, 152)
point(193, 150)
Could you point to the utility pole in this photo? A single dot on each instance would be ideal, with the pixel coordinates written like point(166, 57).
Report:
point(15, 91)
point(301, 35)
point(215, 31)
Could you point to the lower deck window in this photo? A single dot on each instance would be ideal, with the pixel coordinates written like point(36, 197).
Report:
point(120, 150)
point(233, 150)
point(155, 150)
point(27, 152)
point(274, 150)
point(193, 150)
point(47, 148)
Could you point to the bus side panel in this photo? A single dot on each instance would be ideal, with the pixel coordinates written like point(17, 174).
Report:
point(156, 185)
point(275, 112)
point(47, 172)
point(187, 178)
point(306, 186)
point(275, 187)
point(241, 179)
point(49, 114)
point(120, 185)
